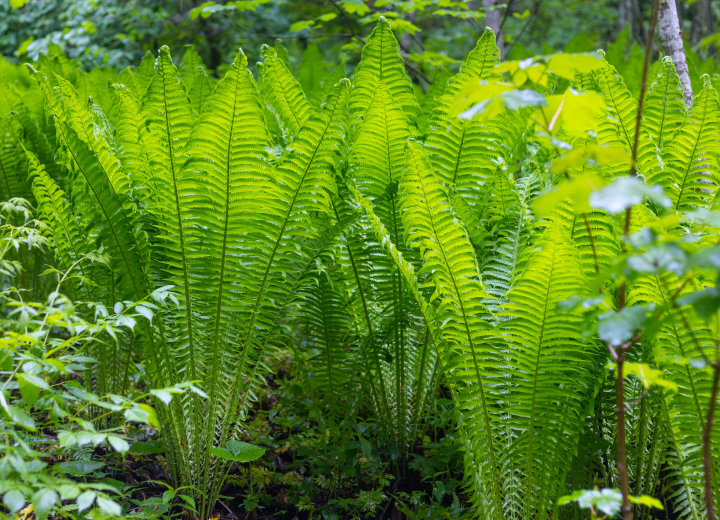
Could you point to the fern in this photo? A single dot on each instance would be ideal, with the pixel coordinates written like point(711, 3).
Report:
point(284, 95)
point(12, 184)
point(552, 375)
point(447, 252)
point(663, 113)
point(381, 63)
point(690, 176)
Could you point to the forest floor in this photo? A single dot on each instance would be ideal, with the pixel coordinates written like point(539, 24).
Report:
point(317, 465)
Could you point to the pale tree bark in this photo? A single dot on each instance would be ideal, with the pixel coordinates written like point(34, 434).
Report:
point(672, 44)
point(630, 16)
point(493, 20)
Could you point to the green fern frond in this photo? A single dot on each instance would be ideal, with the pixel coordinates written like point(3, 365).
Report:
point(225, 150)
point(312, 73)
point(279, 212)
point(284, 95)
point(381, 62)
point(663, 114)
point(71, 246)
point(377, 157)
point(130, 137)
point(11, 183)
point(620, 126)
point(478, 65)
point(410, 278)
point(681, 337)
point(145, 72)
point(36, 138)
point(93, 130)
point(551, 378)
point(189, 66)
point(200, 91)
point(690, 176)
point(328, 326)
point(501, 264)
point(450, 258)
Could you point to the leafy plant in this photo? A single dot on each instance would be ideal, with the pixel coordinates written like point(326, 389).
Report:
point(539, 246)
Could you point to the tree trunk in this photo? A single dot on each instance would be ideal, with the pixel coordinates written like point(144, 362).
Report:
point(492, 20)
point(672, 44)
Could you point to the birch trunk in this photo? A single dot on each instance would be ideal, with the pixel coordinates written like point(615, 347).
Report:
point(672, 44)
point(492, 20)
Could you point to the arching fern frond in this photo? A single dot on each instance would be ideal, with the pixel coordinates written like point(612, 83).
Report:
point(381, 62)
point(620, 126)
point(691, 176)
point(284, 95)
point(70, 243)
point(663, 113)
point(312, 73)
point(11, 183)
point(473, 362)
point(551, 375)
point(189, 66)
point(200, 91)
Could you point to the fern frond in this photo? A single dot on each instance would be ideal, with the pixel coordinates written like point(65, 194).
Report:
point(406, 270)
point(312, 73)
point(478, 65)
point(131, 136)
point(691, 176)
point(145, 72)
point(284, 95)
point(551, 375)
point(381, 62)
point(500, 265)
point(225, 150)
point(328, 326)
point(281, 210)
point(11, 183)
point(377, 157)
point(448, 255)
point(620, 126)
point(70, 244)
point(682, 336)
point(189, 66)
point(37, 140)
point(200, 91)
point(663, 113)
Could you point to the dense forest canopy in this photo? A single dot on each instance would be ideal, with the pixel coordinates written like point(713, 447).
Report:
point(344, 259)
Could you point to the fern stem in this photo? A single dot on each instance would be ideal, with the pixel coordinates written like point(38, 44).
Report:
point(368, 320)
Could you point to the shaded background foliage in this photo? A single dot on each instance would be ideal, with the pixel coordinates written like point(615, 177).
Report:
point(117, 33)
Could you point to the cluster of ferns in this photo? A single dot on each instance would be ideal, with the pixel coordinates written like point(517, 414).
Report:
point(397, 244)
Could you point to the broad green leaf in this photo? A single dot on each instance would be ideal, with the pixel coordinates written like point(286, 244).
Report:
point(591, 154)
point(617, 327)
point(607, 501)
point(43, 501)
point(14, 500)
point(78, 468)
point(85, 500)
point(148, 447)
point(625, 192)
point(244, 452)
point(109, 506)
point(649, 376)
point(576, 190)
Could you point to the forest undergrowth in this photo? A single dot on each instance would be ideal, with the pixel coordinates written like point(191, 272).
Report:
point(335, 293)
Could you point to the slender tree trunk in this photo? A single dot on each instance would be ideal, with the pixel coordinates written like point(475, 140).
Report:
point(707, 438)
point(672, 44)
point(493, 20)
